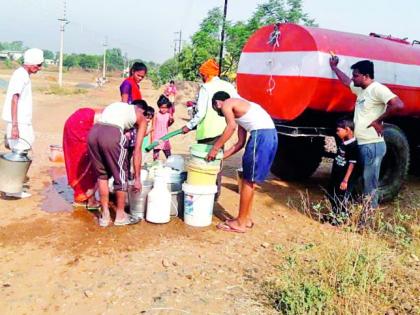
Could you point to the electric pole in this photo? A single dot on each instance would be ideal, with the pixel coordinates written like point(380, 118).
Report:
point(104, 63)
point(175, 47)
point(63, 22)
point(179, 41)
point(222, 39)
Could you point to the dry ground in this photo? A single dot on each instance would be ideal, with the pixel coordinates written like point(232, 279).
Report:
point(60, 262)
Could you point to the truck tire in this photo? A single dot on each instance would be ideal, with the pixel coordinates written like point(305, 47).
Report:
point(297, 157)
point(395, 165)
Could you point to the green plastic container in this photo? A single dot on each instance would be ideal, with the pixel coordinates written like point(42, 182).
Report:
point(201, 150)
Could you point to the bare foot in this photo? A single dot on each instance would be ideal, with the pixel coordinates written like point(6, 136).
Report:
point(249, 224)
point(231, 226)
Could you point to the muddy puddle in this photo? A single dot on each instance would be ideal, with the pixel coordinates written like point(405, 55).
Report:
point(58, 195)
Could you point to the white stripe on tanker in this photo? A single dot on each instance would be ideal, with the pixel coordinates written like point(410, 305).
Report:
point(316, 64)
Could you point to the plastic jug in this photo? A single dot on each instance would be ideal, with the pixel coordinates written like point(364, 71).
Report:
point(159, 202)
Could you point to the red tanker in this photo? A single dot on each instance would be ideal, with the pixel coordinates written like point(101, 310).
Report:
point(285, 68)
point(292, 73)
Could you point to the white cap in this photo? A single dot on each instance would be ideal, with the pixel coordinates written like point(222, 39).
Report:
point(33, 56)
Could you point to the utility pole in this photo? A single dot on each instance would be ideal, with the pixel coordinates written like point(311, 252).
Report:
point(175, 47)
point(63, 22)
point(222, 38)
point(104, 63)
point(179, 41)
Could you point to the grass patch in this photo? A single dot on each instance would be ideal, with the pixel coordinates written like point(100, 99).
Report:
point(63, 91)
point(341, 276)
point(340, 271)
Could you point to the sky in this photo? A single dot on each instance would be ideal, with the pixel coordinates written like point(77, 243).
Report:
point(146, 29)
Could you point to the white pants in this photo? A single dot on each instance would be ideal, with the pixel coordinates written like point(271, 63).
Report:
point(26, 137)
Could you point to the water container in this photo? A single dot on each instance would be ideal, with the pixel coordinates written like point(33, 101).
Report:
point(56, 153)
point(138, 200)
point(159, 202)
point(177, 202)
point(13, 168)
point(202, 174)
point(175, 162)
point(198, 204)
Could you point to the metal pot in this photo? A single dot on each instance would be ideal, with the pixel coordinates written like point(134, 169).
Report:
point(14, 166)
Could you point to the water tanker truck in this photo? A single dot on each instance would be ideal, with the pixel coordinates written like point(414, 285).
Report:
point(285, 68)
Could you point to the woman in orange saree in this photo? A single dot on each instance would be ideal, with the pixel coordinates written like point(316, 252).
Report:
point(80, 174)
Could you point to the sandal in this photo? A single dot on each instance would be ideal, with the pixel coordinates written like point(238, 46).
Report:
point(93, 208)
point(224, 226)
point(129, 219)
point(104, 222)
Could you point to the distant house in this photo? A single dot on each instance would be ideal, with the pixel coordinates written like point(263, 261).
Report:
point(13, 55)
point(50, 62)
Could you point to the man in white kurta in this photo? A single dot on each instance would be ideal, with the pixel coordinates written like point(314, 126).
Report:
point(17, 109)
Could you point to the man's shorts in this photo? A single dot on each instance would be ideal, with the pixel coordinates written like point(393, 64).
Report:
point(259, 154)
point(108, 152)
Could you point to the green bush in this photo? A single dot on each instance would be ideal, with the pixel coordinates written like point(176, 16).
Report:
point(299, 297)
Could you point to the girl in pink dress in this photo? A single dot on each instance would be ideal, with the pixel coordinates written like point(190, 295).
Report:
point(160, 127)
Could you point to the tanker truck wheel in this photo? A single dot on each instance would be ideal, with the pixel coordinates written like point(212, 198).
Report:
point(394, 167)
point(297, 157)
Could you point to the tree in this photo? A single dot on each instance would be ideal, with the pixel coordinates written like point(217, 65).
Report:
point(168, 70)
point(48, 54)
point(15, 46)
point(88, 61)
point(205, 43)
point(268, 13)
point(114, 59)
point(70, 61)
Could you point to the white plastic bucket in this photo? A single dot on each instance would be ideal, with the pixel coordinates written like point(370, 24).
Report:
point(198, 204)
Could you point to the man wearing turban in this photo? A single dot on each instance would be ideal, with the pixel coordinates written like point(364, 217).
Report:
point(209, 124)
point(17, 109)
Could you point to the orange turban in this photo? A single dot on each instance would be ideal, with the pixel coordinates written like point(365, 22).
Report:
point(209, 68)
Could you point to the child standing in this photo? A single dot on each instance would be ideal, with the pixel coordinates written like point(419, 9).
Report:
point(170, 91)
point(149, 114)
point(343, 173)
point(160, 127)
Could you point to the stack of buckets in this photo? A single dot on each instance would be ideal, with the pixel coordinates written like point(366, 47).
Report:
point(200, 188)
point(153, 207)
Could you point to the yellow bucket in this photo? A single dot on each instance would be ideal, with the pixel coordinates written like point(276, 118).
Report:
point(201, 174)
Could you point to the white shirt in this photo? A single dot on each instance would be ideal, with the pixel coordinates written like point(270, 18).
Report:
point(120, 114)
point(255, 118)
point(19, 83)
point(370, 105)
point(205, 95)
